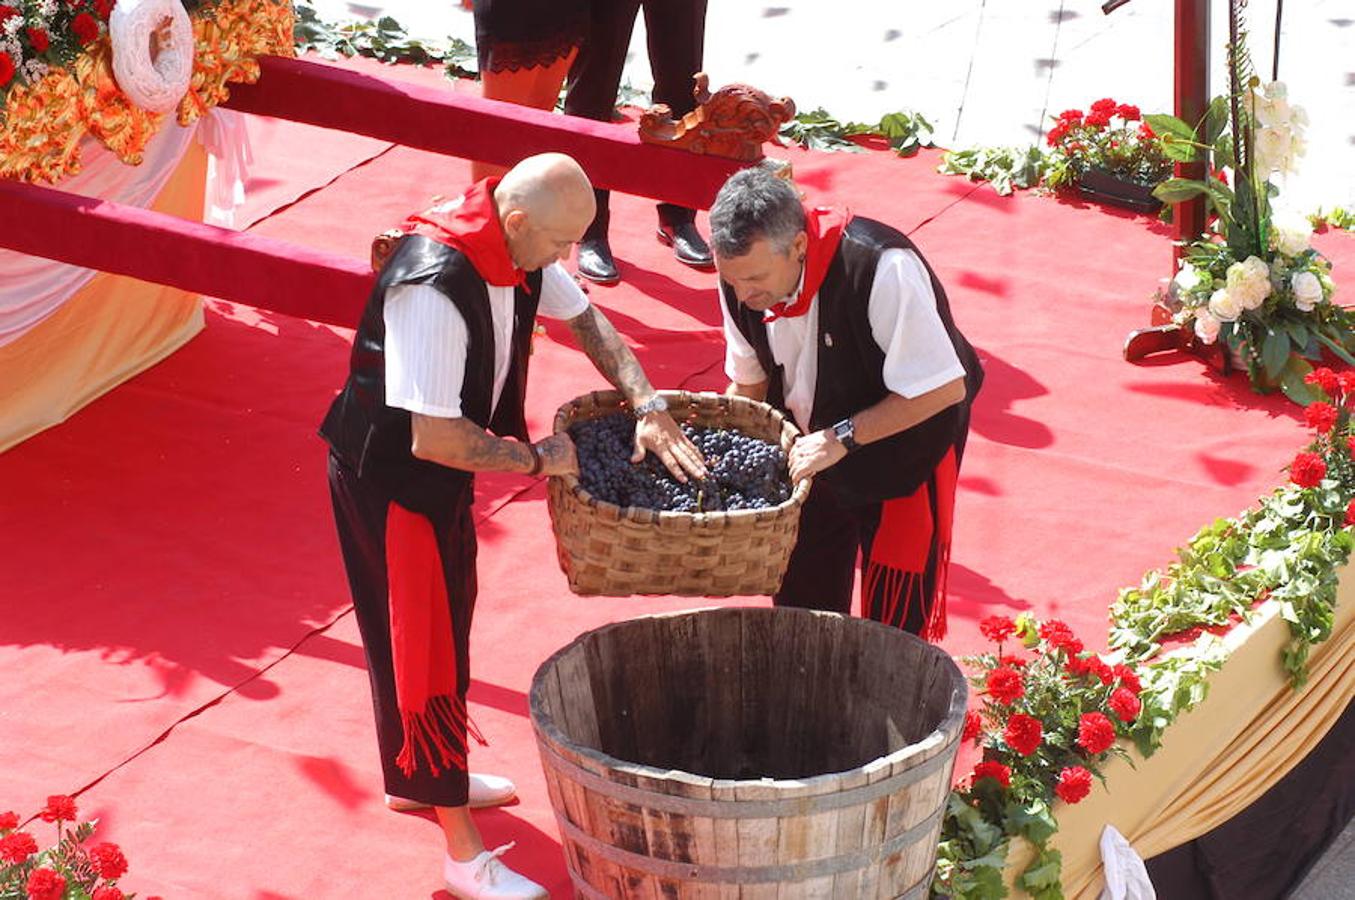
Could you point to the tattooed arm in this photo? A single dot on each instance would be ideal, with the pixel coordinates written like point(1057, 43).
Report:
point(656, 432)
point(461, 444)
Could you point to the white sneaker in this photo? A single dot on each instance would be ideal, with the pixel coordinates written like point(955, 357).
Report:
point(485, 791)
point(485, 877)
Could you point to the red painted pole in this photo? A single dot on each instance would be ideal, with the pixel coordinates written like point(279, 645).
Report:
point(1191, 94)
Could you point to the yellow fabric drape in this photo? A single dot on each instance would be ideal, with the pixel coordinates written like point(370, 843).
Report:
point(107, 332)
point(1217, 759)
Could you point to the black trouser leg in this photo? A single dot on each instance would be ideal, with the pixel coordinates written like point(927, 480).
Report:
point(676, 32)
point(822, 565)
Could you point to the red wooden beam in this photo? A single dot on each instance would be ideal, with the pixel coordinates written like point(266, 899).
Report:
point(233, 265)
point(1191, 90)
point(470, 127)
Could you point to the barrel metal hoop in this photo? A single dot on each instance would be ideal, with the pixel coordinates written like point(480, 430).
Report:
point(739, 809)
point(787, 873)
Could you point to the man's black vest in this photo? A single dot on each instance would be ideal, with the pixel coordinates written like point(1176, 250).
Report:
point(374, 439)
point(851, 371)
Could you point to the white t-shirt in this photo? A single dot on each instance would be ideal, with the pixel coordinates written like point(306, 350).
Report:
point(903, 320)
point(426, 340)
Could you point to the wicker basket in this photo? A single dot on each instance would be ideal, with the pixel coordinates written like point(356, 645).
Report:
point(615, 551)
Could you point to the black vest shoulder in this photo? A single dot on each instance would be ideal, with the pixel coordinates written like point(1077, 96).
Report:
point(851, 370)
point(375, 439)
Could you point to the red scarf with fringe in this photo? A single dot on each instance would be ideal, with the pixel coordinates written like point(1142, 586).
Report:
point(423, 650)
point(911, 549)
point(824, 226)
point(471, 224)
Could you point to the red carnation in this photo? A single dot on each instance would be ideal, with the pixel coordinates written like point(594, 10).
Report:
point(973, 726)
point(108, 892)
point(1307, 470)
point(1095, 733)
point(1146, 132)
point(1071, 116)
point(39, 39)
point(7, 12)
point(1058, 635)
point(1105, 105)
point(44, 884)
point(1015, 662)
point(1078, 665)
point(104, 7)
point(1023, 733)
point(17, 847)
point(1125, 704)
point(1320, 416)
point(1097, 119)
point(59, 808)
point(1324, 378)
point(8, 820)
point(108, 861)
point(1127, 678)
point(994, 770)
point(1350, 513)
point(6, 69)
point(997, 628)
point(1005, 685)
point(86, 28)
point(1129, 112)
point(1074, 783)
point(1347, 381)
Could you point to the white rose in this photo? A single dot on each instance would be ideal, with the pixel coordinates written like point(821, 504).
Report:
point(1224, 306)
point(1249, 282)
point(1290, 234)
point(1307, 291)
point(1274, 150)
point(1187, 279)
point(1206, 326)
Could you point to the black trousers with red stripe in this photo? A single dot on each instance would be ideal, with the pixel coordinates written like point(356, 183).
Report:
point(832, 538)
point(360, 515)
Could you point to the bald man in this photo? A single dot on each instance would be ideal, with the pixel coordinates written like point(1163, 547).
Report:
point(434, 394)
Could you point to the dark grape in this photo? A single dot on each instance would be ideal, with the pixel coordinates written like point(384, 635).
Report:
point(745, 472)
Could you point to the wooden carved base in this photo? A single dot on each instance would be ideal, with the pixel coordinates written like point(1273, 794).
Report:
point(734, 122)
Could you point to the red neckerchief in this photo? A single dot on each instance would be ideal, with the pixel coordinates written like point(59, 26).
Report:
point(824, 226)
point(472, 226)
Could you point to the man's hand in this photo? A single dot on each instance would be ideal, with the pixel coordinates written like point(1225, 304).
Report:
point(658, 433)
point(813, 453)
point(557, 455)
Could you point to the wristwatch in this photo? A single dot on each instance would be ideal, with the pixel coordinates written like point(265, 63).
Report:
point(845, 432)
point(652, 405)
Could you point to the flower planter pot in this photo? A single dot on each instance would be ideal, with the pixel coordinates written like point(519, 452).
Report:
point(1100, 185)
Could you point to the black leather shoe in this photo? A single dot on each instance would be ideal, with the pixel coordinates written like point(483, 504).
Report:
point(596, 263)
point(688, 245)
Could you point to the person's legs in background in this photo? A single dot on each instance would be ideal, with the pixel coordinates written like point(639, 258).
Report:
point(537, 87)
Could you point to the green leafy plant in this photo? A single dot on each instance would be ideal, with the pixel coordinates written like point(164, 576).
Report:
point(1005, 168)
point(1111, 137)
point(385, 40)
point(1338, 217)
point(70, 869)
point(906, 132)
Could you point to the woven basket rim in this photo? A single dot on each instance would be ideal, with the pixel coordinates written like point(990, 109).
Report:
point(642, 515)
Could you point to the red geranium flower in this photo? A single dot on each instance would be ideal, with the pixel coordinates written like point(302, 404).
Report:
point(1023, 733)
point(1005, 685)
point(86, 28)
point(108, 892)
point(1127, 678)
point(1350, 443)
point(108, 861)
point(59, 808)
point(1096, 119)
point(1324, 378)
point(1105, 105)
point(994, 770)
point(1129, 112)
point(7, 12)
point(1350, 513)
point(997, 628)
point(6, 69)
point(44, 884)
point(1074, 783)
point(39, 39)
point(973, 726)
point(1320, 416)
point(8, 820)
point(1095, 733)
point(1307, 470)
point(1056, 134)
point(1347, 380)
point(1146, 132)
point(1125, 704)
point(17, 847)
point(1071, 116)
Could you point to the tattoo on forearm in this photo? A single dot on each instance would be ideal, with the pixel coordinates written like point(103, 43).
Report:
point(483, 452)
point(609, 353)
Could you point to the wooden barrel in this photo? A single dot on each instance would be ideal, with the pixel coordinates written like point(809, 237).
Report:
point(750, 753)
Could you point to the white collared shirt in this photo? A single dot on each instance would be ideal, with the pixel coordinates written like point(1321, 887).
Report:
point(918, 353)
point(426, 340)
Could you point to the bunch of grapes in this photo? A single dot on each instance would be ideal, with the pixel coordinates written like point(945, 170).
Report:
point(745, 473)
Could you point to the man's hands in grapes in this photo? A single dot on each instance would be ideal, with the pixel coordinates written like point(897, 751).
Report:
point(813, 453)
point(660, 435)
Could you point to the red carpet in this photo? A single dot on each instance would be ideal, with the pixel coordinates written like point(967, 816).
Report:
point(172, 545)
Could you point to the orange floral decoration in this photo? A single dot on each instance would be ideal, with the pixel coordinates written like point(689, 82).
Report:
point(43, 123)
